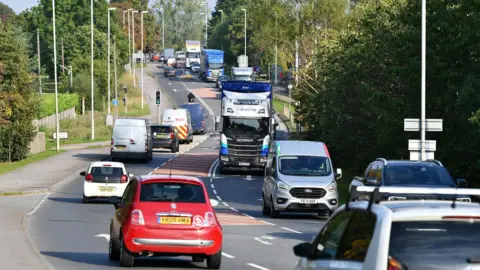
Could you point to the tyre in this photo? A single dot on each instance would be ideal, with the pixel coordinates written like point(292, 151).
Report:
point(146, 159)
point(191, 139)
point(273, 212)
point(85, 200)
point(173, 149)
point(221, 169)
point(150, 157)
point(126, 259)
point(265, 209)
point(214, 261)
point(113, 250)
point(187, 141)
point(178, 147)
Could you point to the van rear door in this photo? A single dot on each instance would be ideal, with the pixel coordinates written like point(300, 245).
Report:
point(138, 139)
point(121, 138)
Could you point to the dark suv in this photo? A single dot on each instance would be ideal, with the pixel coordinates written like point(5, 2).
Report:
point(164, 136)
point(406, 173)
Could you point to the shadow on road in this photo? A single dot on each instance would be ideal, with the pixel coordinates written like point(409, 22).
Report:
point(101, 259)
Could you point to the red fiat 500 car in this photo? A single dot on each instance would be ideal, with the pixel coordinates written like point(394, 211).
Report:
point(161, 215)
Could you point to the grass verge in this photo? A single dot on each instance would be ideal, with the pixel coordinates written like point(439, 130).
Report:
point(65, 101)
point(134, 99)
point(6, 167)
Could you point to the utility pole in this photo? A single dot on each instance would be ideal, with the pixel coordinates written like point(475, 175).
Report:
point(276, 48)
point(206, 23)
point(39, 66)
point(129, 40)
point(108, 61)
point(296, 46)
point(133, 46)
point(424, 67)
point(141, 19)
point(92, 75)
point(63, 59)
point(163, 30)
point(115, 71)
point(57, 122)
point(245, 30)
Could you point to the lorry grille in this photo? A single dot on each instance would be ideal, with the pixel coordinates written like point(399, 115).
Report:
point(244, 150)
point(316, 193)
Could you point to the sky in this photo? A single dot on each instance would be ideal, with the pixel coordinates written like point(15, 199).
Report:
point(20, 5)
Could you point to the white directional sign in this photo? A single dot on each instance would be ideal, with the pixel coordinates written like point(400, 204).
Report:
point(61, 135)
point(413, 124)
point(416, 145)
point(415, 155)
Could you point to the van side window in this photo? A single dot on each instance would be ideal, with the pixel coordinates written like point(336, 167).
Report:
point(373, 171)
point(274, 164)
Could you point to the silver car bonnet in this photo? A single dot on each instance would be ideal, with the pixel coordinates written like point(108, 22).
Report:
point(306, 181)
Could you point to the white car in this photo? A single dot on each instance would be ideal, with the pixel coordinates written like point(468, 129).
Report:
point(104, 179)
point(398, 235)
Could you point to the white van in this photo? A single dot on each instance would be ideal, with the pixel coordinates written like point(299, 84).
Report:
point(131, 139)
point(181, 121)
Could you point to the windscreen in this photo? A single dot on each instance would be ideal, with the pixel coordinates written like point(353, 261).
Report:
point(106, 174)
point(417, 175)
point(434, 245)
point(172, 192)
point(245, 126)
point(305, 165)
point(242, 78)
point(223, 78)
point(193, 55)
point(165, 129)
point(215, 65)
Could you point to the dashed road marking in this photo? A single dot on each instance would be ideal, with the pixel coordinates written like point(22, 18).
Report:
point(234, 209)
point(224, 203)
point(285, 228)
point(257, 266)
point(212, 185)
point(37, 206)
point(218, 197)
point(103, 235)
point(261, 241)
point(266, 222)
point(214, 192)
point(228, 255)
point(248, 216)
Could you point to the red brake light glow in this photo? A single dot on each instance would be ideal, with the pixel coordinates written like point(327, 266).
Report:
point(107, 165)
point(88, 178)
point(132, 141)
point(326, 150)
point(209, 220)
point(123, 179)
point(394, 264)
point(137, 218)
point(462, 217)
point(172, 136)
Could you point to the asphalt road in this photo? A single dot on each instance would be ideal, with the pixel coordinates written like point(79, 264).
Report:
point(72, 235)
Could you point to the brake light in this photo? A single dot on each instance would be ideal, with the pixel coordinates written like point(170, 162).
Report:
point(123, 179)
point(137, 218)
point(89, 178)
point(394, 264)
point(132, 141)
point(172, 136)
point(107, 165)
point(209, 220)
point(326, 150)
point(461, 217)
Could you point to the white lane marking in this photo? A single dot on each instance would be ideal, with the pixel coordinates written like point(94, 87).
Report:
point(201, 100)
point(285, 228)
point(103, 235)
point(211, 171)
point(150, 173)
point(261, 241)
point(267, 222)
point(215, 192)
point(212, 185)
point(37, 206)
point(248, 216)
point(268, 237)
point(257, 266)
point(218, 197)
point(211, 180)
point(214, 171)
point(260, 199)
point(234, 209)
point(248, 178)
point(227, 255)
point(174, 90)
point(169, 83)
point(226, 204)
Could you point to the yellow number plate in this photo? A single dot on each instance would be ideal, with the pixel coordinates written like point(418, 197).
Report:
point(121, 147)
point(174, 220)
point(106, 189)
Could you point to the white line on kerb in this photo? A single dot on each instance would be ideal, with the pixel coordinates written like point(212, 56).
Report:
point(227, 255)
point(257, 266)
point(291, 230)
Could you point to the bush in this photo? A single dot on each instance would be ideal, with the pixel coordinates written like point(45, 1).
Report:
point(65, 102)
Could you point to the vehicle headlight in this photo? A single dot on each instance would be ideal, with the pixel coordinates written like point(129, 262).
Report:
point(332, 186)
point(281, 185)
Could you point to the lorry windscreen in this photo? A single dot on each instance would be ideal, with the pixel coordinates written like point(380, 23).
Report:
point(215, 65)
point(245, 126)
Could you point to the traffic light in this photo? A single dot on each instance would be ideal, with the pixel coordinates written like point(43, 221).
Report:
point(157, 97)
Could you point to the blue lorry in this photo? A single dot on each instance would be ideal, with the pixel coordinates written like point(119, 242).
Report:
point(211, 64)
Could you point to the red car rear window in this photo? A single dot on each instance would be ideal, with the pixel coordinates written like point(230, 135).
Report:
point(172, 192)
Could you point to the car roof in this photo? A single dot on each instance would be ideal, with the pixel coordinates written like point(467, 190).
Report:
point(310, 148)
point(410, 163)
point(101, 163)
point(167, 177)
point(191, 105)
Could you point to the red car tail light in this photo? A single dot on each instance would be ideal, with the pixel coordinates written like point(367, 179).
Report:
point(172, 136)
point(123, 179)
point(394, 264)
point(137, 218)
point(132, 141)
point(209, 220)
point(203, 123)
point(89, 177)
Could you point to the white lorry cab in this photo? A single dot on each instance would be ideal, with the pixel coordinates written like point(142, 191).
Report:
point(131, 139)
point(181, 121)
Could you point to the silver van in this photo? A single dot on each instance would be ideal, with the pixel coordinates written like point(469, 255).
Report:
point(299, 177)
point(131, 138)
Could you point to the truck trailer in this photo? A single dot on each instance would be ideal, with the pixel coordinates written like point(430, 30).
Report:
point(193, 48)
point(211, 64)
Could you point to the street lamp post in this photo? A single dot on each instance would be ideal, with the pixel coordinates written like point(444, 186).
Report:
point(133, 45)
point(163, 28)
point(141, 19)
point(115, 71)
point(108, 99)
point(39, 66)
point(245, 29)
point(91, 65)
point(57, 123)
point(129, 40)
point(276, 49)
point(221, 16)
point(423, 94)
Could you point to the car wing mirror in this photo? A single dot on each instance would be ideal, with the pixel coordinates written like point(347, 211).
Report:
point(214, 202)
point(461, 183)
point(83, 173)
point(303, 250)
point(338, 173)
point(115, 201)
point(371, 181)
point(269, 171)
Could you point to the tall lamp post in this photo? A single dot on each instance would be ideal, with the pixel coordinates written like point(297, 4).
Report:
point(129, 40)
point(108, 100)
point(133, 45)
point(91, 65)
point(57, 123)
point(245, 29)
point(163, 28)
point(221, 16)
point(141, 19)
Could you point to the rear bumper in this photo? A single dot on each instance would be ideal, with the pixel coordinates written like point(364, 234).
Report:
point(165, 144)
point(92, 190)
point(133, 155)
point(181, 242)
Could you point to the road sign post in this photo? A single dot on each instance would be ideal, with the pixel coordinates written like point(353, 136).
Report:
point(428, 146)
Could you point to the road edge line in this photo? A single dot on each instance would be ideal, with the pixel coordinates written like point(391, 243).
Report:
point(32, 245)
